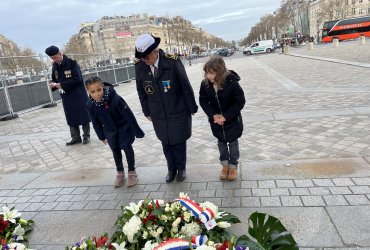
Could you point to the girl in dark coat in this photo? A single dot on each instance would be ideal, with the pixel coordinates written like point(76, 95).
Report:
point(222, 99)
point(115, 124)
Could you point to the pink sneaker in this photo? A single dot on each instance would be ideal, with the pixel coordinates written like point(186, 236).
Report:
point(132, 178)
point(120, 178)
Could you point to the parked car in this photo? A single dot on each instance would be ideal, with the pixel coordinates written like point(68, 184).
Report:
point(223, 52)
point(264, 46)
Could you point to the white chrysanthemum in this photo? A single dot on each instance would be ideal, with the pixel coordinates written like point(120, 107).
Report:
point(10, 215)
point(187, 216)
point(223, 224)
point(19, 232)
point(211, 206)
point(176, 222)
point(17, 246)
point(149, 245)
point(164, 218)
point(145, 235)
point(133, 207)
point(131, 228)
point(120, 246)
point(190, 229)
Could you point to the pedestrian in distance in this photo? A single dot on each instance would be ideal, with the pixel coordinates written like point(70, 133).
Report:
point(115, 124)
point(167, 99)
point(222, 99)
point(67, 78)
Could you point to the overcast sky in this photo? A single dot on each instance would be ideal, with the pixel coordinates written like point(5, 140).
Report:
point(40, 23)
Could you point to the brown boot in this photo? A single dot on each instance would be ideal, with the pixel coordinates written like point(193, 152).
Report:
point(233, 174)
point(224, 173)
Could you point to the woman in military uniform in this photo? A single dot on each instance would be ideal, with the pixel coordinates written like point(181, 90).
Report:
point(167, 99)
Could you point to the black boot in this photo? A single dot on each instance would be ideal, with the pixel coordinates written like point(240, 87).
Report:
point(181, 175)
point(74, 141)
point(171, 175)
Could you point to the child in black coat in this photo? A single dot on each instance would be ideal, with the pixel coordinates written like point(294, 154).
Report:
point(222, 99)
point(115, 124)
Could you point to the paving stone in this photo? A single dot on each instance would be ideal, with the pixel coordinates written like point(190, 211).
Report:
point(291, 201)
point(208, 193)
point(4, 192)
point(323, 182)
point(109, 196)
point(152, 187)
point(48, 206)
point(260, 192)
point(53, 191)
point(232, 184)
point(67, 190)
point(224, 193)
point(249, 184)
point(79, 197)
point(251, 202)
point(198, 186)
point(93, 197)
point(343, 182)
point(78, 205)
point(111, 204)
point(313, 201)
point(304, 183)
point(270, 202)
point(107, 190)
point(28, 192)
point(93, 205)
point(242, 192)
point(335, 200)
point(216, 201)
point(93, 190)
point(279, 191)
point(362, 181)
point(299, 191)
point(157, 195)
point(319, 190)
point(231, 202)
point(360, 189)
point(64, 205)
point(140, 195)
point(50, 198)
point(23, 199)
point(65, 197)
point(15, 192)
point(266, 184)
point(34, 206)
point(10, 199)
point(340, 190)
point(284, 183)
point(355, 200)
point(215, 185)
point(80, 190)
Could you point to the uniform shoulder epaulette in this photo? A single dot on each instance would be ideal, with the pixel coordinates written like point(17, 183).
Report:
point(174, 57)
point(136, 60)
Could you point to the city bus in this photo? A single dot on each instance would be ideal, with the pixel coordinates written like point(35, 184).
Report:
point(345, 29)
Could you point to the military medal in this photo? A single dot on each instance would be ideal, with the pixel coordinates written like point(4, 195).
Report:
point(166, 85)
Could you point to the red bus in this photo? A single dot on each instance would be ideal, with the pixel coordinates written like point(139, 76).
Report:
point(346, 29)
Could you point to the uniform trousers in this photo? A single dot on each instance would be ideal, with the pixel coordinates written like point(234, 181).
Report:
point(75, 131)
point(175, 155)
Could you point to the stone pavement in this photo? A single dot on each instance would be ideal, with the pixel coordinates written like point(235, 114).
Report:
point(304, 158)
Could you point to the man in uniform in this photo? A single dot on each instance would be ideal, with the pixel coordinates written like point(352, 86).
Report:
point(67, 78)
point(167, 99)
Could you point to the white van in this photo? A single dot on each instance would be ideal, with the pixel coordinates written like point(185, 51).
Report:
point(264, 46)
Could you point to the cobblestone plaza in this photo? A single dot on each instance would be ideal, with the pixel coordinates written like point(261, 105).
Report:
point(305, 156)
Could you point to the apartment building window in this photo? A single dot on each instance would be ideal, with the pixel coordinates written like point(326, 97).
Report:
point(360, 1)
point(353, 11)
point(359, 11)
point(368, 10)
point(353, 1)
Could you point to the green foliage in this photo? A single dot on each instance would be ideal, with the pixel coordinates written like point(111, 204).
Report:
point(267, 233)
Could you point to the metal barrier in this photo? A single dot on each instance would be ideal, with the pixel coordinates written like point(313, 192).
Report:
point(29, 89)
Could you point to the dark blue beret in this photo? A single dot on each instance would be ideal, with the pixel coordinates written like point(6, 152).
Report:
point(52, 50)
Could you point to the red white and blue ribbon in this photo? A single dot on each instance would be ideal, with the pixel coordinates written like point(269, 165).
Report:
point(203, 215)
point(199, 240)
point(174, 244)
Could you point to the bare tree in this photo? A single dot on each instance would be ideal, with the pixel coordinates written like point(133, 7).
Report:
point(332, 10)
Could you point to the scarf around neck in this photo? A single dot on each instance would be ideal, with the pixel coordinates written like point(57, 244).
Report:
point(104, 100)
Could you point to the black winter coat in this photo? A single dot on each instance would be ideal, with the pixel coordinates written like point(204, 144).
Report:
point(114, 121)
point(170, 108)
point(68, 74)
point(228, 101)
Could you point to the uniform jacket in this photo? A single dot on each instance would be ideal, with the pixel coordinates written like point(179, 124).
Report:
point(68, 74)
point(168, 99)
point(114, 121)
point(228, 101)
